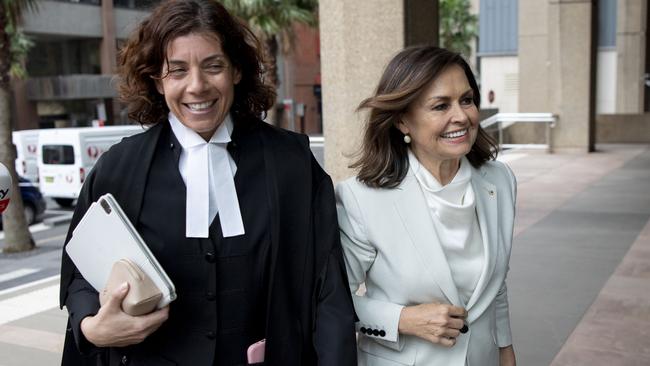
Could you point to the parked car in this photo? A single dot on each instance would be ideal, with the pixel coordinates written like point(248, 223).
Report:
point(32, 200)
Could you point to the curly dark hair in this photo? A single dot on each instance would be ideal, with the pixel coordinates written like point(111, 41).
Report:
point(142, 58)
point(383, 158)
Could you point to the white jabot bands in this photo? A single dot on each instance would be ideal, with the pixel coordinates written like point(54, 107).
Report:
point(208, 171)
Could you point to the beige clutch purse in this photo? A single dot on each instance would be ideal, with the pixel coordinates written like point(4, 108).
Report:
point(143, 294)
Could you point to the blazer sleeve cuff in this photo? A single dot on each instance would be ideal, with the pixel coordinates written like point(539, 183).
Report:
point(83, 345)
point(383, 325)
point(503, 332)
point(82, 304)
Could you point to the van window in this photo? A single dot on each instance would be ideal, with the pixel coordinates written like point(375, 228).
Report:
point(58, 154)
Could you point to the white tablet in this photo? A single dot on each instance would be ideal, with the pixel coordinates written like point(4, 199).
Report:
point(105, 235)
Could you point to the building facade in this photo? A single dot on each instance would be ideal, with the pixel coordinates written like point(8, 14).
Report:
point(583, 60)
point(71, 68)
point(586, 61)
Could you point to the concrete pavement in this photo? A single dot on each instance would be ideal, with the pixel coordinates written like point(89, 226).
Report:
point(579, 281)
point(31, 324)
point(578, 215)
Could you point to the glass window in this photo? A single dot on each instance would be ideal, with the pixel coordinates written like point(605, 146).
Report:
point(91, 2)
point(135, 4)
point(498, 27)
point(607, 23)
point(58, 154)
point(52, 57)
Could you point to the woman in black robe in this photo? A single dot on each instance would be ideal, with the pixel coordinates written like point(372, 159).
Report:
point(270, 268)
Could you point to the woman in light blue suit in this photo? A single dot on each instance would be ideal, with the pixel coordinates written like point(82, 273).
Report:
point(427, 223)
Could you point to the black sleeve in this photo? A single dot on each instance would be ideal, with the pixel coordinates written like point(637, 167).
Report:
point(334, 333)
point(77, 295)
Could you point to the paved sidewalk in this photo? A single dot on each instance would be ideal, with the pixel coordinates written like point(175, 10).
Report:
point(579, 283)
point(31, 324)
point(578, 215)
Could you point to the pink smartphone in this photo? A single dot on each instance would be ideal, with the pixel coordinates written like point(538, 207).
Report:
point(255, 352)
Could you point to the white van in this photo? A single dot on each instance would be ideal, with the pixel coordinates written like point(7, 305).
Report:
point(26, 142)
point(66, 155)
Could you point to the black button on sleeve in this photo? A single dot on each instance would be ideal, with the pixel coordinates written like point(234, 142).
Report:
point(382, 333)
point(375, 333)
point(362, 330)
point(211, 335)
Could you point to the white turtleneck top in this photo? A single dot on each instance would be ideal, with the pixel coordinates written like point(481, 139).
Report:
point(453, 212)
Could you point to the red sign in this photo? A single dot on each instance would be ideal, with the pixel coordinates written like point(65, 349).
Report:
point(3, 205)
point(93, 152)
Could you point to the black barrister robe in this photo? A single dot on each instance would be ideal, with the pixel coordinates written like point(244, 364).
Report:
point(310, 316)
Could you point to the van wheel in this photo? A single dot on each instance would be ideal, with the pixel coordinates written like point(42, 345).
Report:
point(64, 202)
point(30, 215)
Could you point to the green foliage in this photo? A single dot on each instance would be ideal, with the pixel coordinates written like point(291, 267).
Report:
point(458, 27)
point(272, 21)
point(19, 43)
point(274, 18)
point(14, 9)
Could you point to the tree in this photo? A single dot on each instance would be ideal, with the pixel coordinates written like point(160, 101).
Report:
point(272, 22)
point(13, 47)
point(458, 27)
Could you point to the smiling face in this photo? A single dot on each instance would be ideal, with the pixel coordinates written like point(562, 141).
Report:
point(443, 121)
point(198, 82)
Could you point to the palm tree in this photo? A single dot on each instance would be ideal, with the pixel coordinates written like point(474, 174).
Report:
point(12, 51)
point(272, 21)
point(458, 27)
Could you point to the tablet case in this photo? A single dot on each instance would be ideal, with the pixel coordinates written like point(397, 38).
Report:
point(105, 236)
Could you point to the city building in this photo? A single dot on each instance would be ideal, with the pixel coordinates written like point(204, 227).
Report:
point(71, 68)
point(71, 65)
point(584, 61)
point(533, 54)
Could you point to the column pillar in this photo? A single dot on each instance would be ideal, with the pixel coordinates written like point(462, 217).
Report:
point(630, 46)
point(572, 82)
point(557, 67)
point(24, 112)
point(533, 56)
point(358, 38)
point(108, 54)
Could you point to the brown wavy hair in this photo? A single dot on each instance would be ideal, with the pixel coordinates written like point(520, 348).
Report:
point(141, 60)
point(383, 158)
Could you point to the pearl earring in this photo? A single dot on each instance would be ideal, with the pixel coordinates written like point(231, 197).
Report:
point(407, 138)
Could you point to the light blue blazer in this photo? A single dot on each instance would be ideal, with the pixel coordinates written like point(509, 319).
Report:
point(389, 243)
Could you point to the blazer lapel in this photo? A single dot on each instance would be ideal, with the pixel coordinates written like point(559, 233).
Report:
point(414, 213)
point(486, 210)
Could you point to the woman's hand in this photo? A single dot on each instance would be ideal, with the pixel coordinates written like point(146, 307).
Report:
point(112, 327)
point(436, 323)
point(507, 356)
